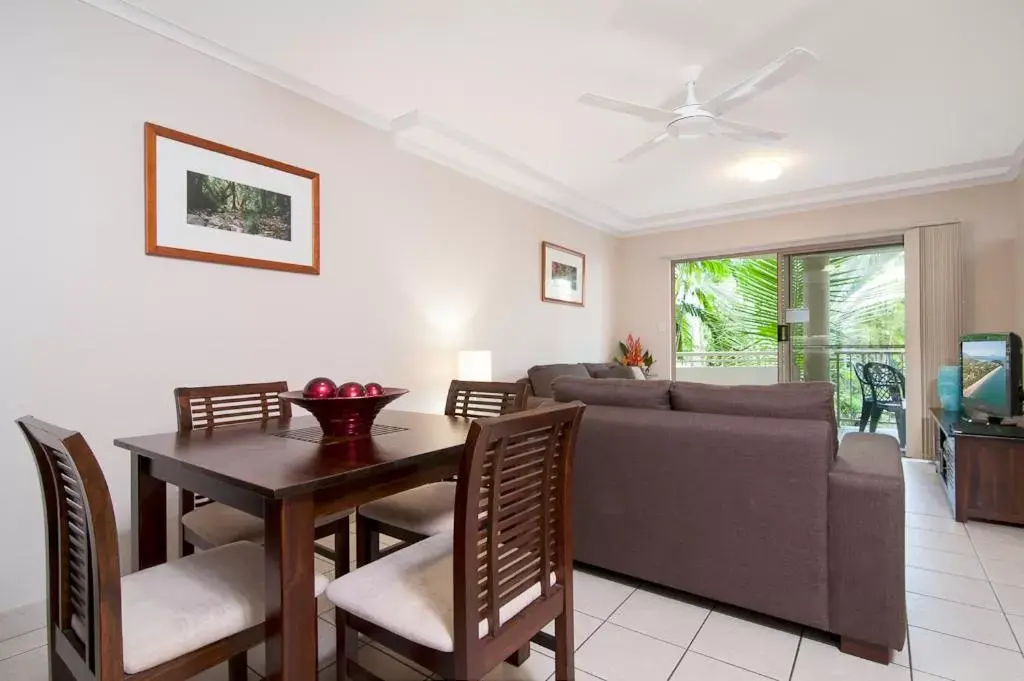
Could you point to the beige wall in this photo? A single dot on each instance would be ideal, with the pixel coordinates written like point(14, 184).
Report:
point(417, 260)
point(988, 214)
point(1019, 191)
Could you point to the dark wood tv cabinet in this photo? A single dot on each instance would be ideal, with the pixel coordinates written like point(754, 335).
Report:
point(983, 470)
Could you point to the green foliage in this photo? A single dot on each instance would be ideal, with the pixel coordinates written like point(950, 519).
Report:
point(731, 304)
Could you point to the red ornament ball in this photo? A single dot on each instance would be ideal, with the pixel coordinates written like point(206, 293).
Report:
point(374, 389)
point(319, 388)
point(351, 389)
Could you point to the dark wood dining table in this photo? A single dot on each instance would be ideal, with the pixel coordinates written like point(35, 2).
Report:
point(284, 472)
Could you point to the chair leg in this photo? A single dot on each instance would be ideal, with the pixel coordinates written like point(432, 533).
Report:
point(238, 668)
point(901, 427)
point(519, 658)
point(341, 633)
point(865, 414)
point(876, 414)
point(367, 541)
point(565, 665)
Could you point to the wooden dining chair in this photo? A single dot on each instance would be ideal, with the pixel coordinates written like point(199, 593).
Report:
point(170, 621)
point(204, 523)
point(424, 511)
point(459, 603)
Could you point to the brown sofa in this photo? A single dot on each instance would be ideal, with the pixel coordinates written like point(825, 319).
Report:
point(538, 378)
point(742, 495)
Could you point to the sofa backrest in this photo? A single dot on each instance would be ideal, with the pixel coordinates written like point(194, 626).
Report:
point(809, 401)
point(541, 376)
point(613, 392)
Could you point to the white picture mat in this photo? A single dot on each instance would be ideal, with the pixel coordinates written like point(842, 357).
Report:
point(551, 287)
point(174, 159)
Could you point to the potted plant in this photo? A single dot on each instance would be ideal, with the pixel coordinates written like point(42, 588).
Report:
point(634, 354)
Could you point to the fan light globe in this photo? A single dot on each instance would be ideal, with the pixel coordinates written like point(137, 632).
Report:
point(761, 170)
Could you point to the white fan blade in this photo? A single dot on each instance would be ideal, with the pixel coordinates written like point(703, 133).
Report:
point(644, 148)
point(775, 73)
point(647, 113)
point(745, 133)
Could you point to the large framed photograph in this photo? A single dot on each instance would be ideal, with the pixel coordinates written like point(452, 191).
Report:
point(562, 275)
point(210, 202)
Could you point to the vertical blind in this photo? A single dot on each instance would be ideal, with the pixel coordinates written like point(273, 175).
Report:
point(941, 316)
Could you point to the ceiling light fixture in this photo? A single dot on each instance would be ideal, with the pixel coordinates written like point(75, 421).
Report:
point(759, 170)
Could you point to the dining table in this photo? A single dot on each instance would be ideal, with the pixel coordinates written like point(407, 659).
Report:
point(288, 473)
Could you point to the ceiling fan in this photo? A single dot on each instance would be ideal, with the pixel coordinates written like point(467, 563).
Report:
point(686, 117)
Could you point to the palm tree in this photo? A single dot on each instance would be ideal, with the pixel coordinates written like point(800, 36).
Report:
point(731, 304)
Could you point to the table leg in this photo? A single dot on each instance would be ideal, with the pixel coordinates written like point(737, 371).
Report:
point(149, 516)
point(291, 607)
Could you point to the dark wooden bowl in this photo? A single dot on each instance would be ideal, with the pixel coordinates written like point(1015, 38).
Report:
point(345, 416)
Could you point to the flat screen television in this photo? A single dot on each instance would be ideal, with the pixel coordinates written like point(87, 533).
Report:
point(990, 367)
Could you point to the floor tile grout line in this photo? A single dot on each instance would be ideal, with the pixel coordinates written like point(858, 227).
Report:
point(799, 642)
point(950, 600)
point(712, 657)
point(955, 574)
point(947, 552)
point(646, 635)
point(686, 650)
point(962, 638)
point(27, 650)
point(984, 580)
point(1006, 617)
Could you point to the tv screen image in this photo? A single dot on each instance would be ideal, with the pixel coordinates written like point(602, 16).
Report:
point(985, 373)
point(991, 374)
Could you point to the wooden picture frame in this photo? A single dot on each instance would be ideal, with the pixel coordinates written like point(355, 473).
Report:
point(563, 275)
point(193, 209)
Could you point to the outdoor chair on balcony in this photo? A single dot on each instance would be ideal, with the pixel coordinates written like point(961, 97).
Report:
point(888, 393)
point(867, 397)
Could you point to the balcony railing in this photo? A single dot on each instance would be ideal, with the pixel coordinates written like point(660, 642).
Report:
point(760, 367)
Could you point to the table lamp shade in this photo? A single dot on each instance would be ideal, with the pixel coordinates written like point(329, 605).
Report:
point(474, 365)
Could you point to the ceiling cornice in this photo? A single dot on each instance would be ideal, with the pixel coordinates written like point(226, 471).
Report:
point(994, 171)
point(423, 135)
point(417, 133)
point(171, 31)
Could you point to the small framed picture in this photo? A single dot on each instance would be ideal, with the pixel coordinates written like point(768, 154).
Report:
point(563, 274)
point(210, 202)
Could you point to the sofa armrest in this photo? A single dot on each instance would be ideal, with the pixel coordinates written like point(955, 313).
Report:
point(867, 597)
point(536, 402)
point(529, 386)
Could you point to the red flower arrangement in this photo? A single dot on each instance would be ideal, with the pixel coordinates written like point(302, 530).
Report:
point(634, 354)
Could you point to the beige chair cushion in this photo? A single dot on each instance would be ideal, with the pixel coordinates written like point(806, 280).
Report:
point(409, 593)
point(172, 609)
point(426, 510)
point(218, 524)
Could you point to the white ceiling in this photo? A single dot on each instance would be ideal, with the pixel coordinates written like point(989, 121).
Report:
point(907, 94)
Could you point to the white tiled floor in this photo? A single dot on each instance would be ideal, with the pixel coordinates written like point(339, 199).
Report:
point(965, 596)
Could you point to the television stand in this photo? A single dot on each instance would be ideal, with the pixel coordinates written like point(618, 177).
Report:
point(982, 467)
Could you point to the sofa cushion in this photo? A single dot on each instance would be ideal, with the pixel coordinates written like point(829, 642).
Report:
point(593, 368)
point(810, 401)
point(617, 371)
point(542, 375)
point(613, 392)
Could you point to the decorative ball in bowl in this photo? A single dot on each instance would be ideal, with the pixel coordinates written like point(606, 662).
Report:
point(345, 416)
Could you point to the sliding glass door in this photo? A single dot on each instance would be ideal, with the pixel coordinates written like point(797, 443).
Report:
point(807, 315)
point(725, 319)
point(843, 321)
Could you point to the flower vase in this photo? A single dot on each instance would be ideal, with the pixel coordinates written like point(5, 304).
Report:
point(949, 387)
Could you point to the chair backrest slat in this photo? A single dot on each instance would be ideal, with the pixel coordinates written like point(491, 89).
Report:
point(512, 517)
point(84, 579)
point(220, 405)
point(213, 406)
point(485, 398)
